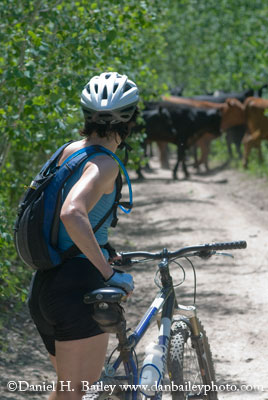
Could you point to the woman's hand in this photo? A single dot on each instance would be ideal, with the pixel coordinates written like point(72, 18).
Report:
point(122, 280)
point(116, 260)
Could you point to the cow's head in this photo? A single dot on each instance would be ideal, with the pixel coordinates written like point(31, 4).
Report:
point(233, 114)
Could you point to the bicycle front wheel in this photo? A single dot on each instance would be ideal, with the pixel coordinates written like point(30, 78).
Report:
point(189, 364)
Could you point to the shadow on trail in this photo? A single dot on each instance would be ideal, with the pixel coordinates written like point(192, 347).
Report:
point(168, 180)
point(176, 199)
point(153, 230)
point(215, 170)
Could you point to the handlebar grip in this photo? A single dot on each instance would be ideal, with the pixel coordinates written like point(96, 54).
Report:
point(242, 244)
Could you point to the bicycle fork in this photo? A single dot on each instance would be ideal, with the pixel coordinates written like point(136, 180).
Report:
point(188, 315)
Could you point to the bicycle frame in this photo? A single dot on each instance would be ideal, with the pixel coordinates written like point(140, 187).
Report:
point(166, 301)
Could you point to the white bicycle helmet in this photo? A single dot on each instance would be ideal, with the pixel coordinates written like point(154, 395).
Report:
point(110, 97)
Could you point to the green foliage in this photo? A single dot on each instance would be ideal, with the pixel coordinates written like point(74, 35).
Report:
point(219, 152)
point(217, 45)
point(49, 50)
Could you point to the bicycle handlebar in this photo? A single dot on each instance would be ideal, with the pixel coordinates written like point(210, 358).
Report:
point(203, 250)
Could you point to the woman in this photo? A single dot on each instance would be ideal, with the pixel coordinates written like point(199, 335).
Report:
point(76, 345)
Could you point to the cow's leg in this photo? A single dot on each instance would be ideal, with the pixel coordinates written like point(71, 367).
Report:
point(163, 151)
point(181, 158)
point(247, 150)
point(258, 145)
point(139, 173)
point(175, 169)
point(238, 149)
point(204, 153)
point(238, 138)
point(252, 140)
point(229, 144)
point(139, 169)
point(184, 167)
point(196, 162)
point(204, 144)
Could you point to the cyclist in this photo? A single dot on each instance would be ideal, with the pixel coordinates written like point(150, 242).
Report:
point(75, 343)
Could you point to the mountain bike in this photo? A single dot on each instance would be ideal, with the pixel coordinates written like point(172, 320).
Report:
point(186, 354)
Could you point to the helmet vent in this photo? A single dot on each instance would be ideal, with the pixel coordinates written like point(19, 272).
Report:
point(128, 109)
point(126, 88)
point(96, 88)
point(115, 87)
point(104, 117)
point(105, 95)
point(107, 76)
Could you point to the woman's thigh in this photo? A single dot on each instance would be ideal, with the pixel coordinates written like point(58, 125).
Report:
point(80, 360)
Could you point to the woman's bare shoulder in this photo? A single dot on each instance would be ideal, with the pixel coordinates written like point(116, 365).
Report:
point(70, 149)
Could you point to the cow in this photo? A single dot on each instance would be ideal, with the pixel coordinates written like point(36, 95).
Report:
point(257, 126)
point(180, 125)
point(233, 134)
point(232, 115)
point(221, 97)
point(241, 96)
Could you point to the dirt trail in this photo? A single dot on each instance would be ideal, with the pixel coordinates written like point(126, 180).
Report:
point(232, 294)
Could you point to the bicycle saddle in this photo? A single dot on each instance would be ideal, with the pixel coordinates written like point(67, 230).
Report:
point(106, 294)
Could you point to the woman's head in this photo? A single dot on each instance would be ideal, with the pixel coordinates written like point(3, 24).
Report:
point(109, 103)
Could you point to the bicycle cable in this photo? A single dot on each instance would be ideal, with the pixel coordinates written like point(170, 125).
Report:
point(157, 280)
point(112, 353)
point(193, 268)
point(184, 274)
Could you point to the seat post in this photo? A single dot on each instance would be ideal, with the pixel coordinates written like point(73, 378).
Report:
point(123, 343)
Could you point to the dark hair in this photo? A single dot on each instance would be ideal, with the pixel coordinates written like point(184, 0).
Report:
point(105, 130)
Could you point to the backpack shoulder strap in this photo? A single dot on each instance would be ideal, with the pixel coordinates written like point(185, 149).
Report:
point(54, 157)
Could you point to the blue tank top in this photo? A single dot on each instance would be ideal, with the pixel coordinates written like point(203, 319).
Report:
point(95, 215)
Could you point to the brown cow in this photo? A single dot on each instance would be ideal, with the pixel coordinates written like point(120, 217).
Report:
point(257, 126)
point(232, 113)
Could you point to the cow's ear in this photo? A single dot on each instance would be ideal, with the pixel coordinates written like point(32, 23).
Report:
point(229, 101)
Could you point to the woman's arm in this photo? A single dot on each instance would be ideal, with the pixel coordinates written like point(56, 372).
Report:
point(97, 179)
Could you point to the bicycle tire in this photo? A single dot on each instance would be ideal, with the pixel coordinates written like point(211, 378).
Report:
point(183, 366)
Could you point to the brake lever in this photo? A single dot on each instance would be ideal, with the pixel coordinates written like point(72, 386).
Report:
point(123, 263)
point(205, 255)
point(224, 254)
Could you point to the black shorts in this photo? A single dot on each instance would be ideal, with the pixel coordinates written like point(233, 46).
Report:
point(56, 302)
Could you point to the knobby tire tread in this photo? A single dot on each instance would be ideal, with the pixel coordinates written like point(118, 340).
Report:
point(180, 332)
